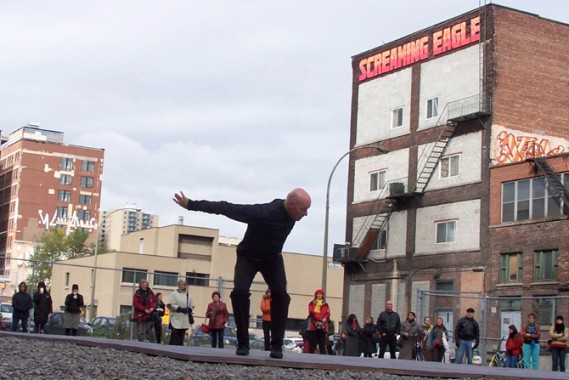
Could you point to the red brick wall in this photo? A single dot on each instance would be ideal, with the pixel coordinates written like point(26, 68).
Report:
point(531, 57)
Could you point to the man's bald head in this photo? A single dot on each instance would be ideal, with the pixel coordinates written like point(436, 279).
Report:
point(297, 203)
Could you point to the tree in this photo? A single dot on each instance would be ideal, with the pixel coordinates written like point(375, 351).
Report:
point(54, 246)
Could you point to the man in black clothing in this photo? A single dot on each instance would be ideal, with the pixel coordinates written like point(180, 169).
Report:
point(22, 303)
point(466, 336)
point(268, 226)
point(388, 326)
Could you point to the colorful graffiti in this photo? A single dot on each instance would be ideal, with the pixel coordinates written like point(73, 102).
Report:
point(511, 148)
point(70, 222)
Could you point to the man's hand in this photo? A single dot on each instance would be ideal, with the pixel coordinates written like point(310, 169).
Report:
point(181, 199)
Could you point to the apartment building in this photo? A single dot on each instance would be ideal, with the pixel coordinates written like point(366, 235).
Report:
point(44, 184)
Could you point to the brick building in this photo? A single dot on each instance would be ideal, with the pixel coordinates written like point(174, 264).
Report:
point(458, 105)
point(43, 184)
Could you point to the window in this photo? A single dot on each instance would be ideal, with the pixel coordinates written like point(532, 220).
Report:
point(397, 117)
point(432, 108)
point(88, 166)
point(545, 310)
point(449, 166)
point(65, 179)
point(377, 180)
point(61, 212)
point(64, 196)
point(84, 215)
point(67, 279)
point(446, 231)
point(131, 275)
point(87, 182)
point(545, 265)
point(197, 279)
point(125, 310)
point(66, 163)
point(510, 268)
point(381, 241)
point(165, 278)
point(85, 199)
point(529, 199)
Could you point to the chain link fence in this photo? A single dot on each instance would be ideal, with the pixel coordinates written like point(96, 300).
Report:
point(494, 314)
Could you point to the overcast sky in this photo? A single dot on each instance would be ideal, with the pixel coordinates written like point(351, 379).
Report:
point(226, 100)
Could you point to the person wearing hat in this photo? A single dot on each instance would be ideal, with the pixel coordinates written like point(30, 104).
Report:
point(72, 315)
point(559, 335)
point(466, 336)
point(317, 330)
point(268, 226)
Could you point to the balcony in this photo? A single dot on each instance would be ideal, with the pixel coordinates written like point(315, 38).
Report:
point(469, 108)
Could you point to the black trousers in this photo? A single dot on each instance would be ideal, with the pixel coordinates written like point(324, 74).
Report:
point(267, 335)
point(387, 340)
point(158, 331)
point(273, 272)
point(177, 336)
point(216, 337)
point(317, 339)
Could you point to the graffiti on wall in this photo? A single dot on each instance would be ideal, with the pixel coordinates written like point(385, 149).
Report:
point(71, 222)
point(515, 146)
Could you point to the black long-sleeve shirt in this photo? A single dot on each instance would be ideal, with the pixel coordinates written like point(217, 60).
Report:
point(268, 225)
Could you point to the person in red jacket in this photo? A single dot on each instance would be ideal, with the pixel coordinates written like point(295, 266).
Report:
point(266, 310)
point(144, 302)
point(319, 312)
point(514, 346)
point(218, 315)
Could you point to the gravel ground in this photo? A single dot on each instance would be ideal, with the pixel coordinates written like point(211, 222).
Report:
point(31, 359)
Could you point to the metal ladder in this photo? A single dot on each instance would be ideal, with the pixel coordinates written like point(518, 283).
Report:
point(553, 181)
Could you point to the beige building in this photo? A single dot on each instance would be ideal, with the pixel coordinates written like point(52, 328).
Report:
point(203, 258)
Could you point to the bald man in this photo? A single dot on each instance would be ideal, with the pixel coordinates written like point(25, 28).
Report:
point(268, 226)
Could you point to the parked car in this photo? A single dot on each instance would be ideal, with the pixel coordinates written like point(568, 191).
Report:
point(295, 343)
point(54, 325)
point(198, 338)
point(257, 344)
point(6, 311)
point(107, 323)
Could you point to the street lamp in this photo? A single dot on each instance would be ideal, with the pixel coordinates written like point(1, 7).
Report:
point(325, 252)
point(92, 307)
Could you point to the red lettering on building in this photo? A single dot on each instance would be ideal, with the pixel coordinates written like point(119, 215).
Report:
point(446, 39)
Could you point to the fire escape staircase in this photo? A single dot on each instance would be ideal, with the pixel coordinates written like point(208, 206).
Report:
point(377, 223)
point(553, 180)
point(460, 110)
point(433, 155)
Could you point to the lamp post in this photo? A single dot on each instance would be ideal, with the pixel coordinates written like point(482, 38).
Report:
point(94, 280)
point(327, 214)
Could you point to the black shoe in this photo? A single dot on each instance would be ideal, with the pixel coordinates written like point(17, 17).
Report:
point(276, 353)
point(242, 351)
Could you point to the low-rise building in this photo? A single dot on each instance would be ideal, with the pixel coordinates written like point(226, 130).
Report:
point(206, 260)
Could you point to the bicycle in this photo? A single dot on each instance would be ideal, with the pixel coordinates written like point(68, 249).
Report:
point(499, 357)
point(419, 353)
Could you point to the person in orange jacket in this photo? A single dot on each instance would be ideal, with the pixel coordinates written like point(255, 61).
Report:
point(266, 310)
